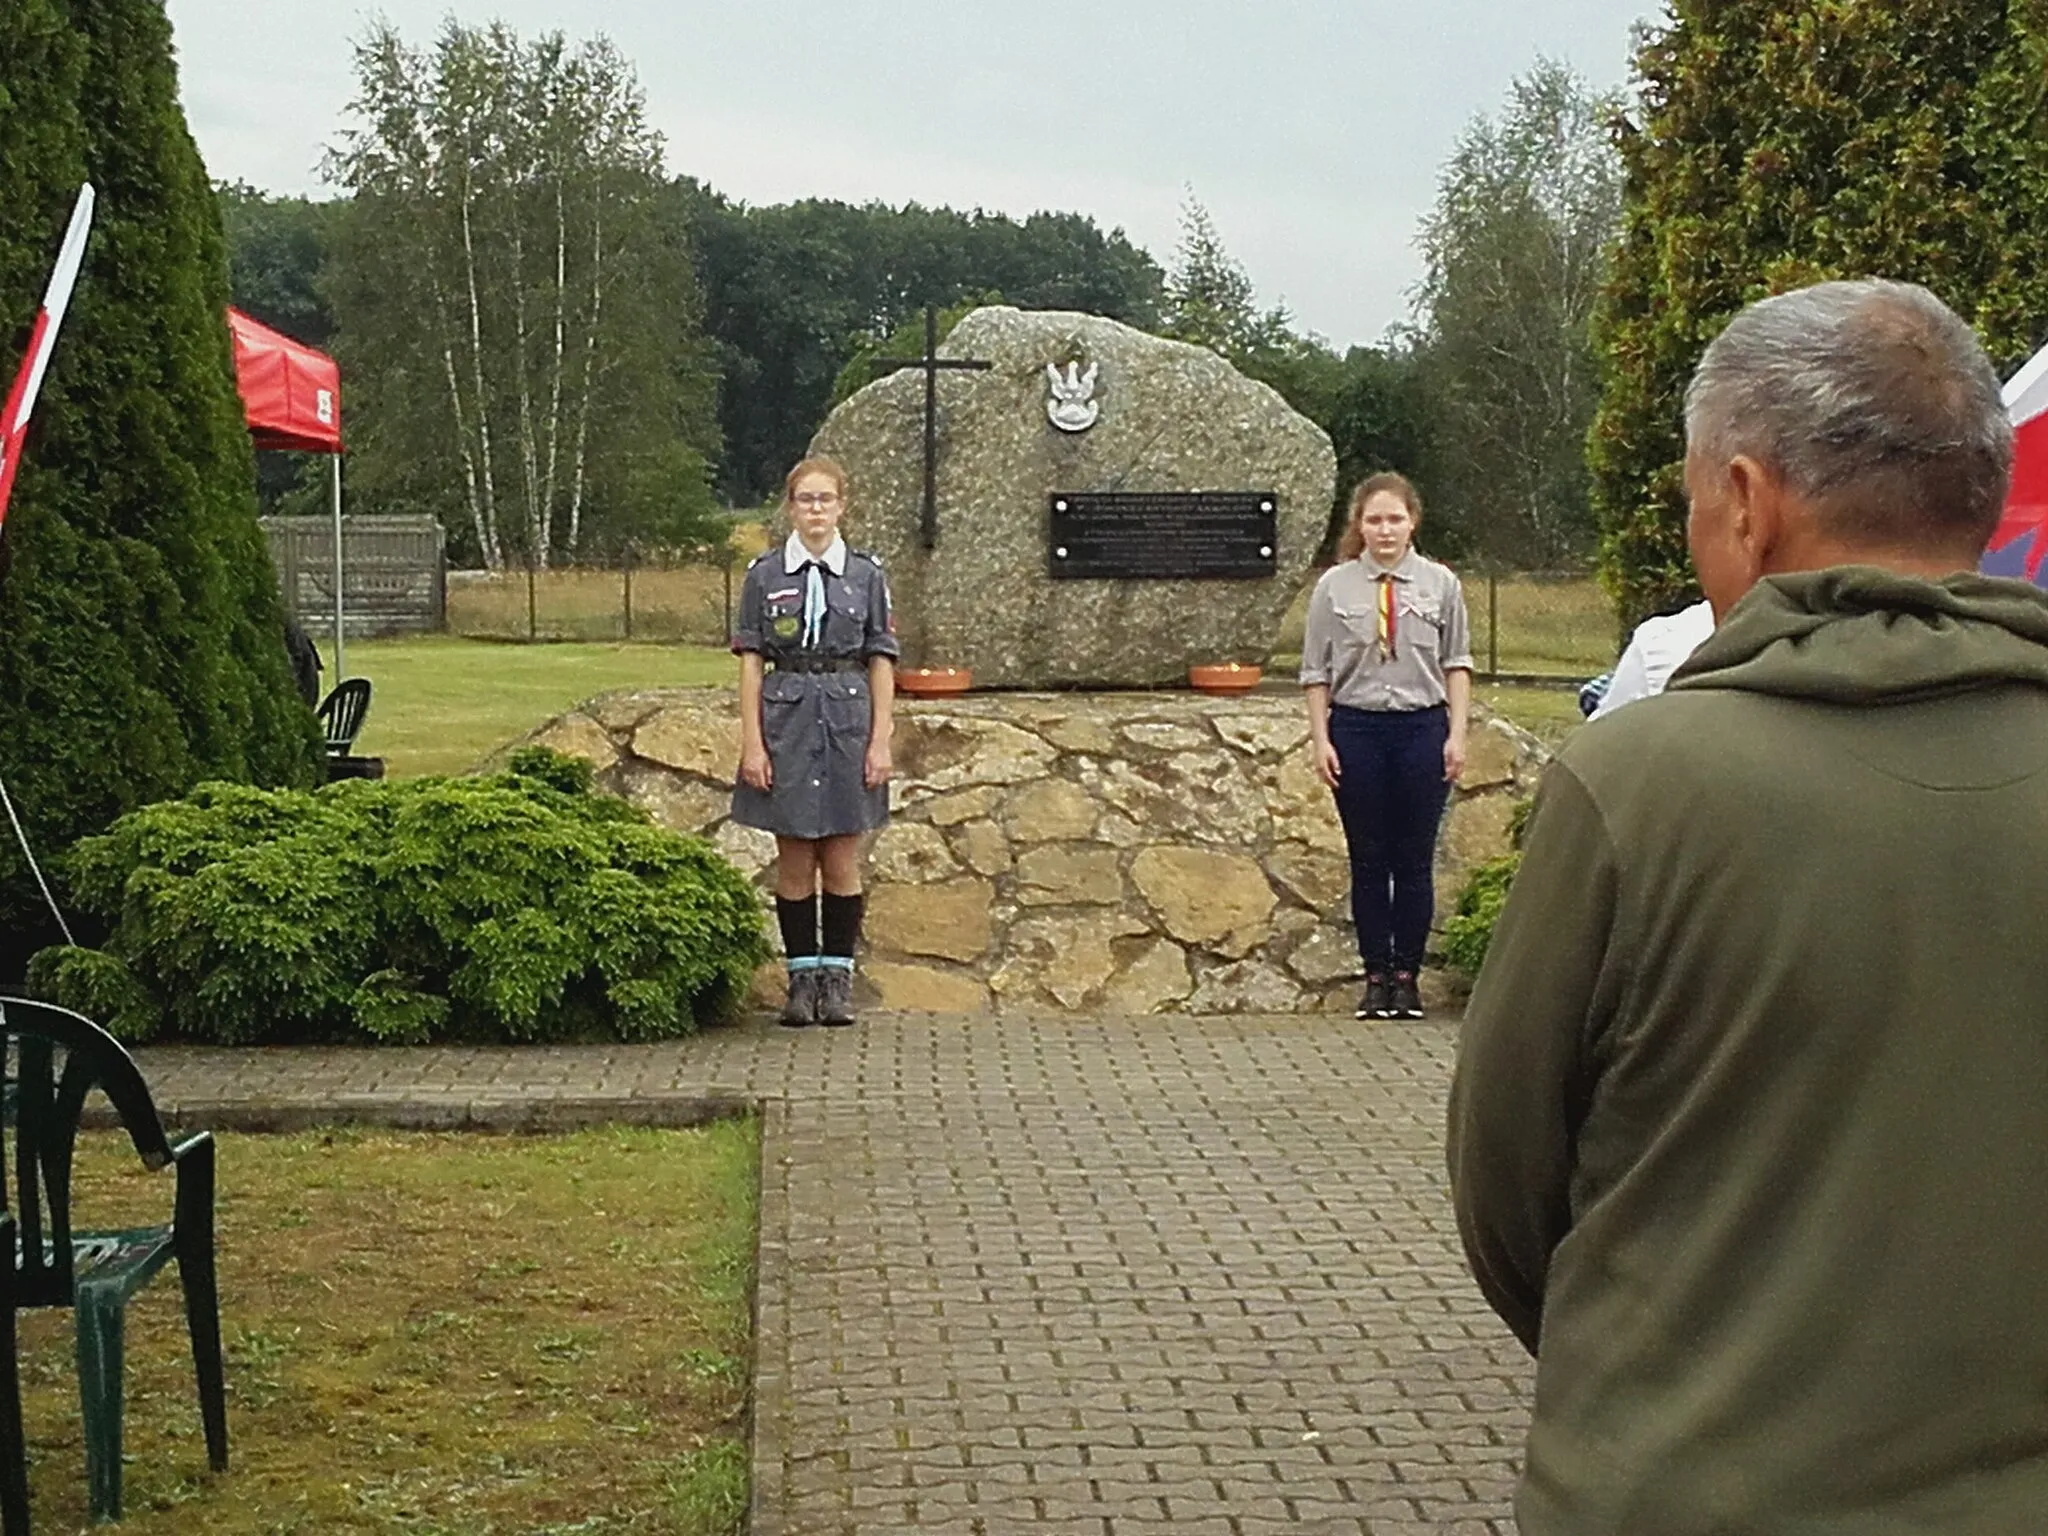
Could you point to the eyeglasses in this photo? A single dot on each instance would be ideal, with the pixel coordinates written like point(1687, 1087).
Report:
point(816, 498)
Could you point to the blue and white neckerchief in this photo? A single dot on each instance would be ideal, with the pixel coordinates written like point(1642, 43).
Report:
point(814, 605)
point(796, 558)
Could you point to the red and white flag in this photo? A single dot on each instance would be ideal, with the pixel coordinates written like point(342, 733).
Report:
point(21, 398)
point(2020, 547)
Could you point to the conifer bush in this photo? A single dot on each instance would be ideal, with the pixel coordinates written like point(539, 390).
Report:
point(141, 633)
point(517, 906)
point(1771, 146)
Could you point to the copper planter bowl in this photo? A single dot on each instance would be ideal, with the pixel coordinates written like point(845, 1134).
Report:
point(933, 682)
point(1226, 678)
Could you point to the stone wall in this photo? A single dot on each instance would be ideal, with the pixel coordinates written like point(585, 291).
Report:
point(1133, 852)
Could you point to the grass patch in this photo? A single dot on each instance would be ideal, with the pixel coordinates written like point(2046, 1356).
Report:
point(436, 1335)
point(442, 703)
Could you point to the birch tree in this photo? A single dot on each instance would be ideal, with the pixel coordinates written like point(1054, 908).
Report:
point(507, 198)
point(1515, 253)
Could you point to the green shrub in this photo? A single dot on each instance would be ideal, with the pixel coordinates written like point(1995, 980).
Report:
point(1470, 930)
point(518, 906)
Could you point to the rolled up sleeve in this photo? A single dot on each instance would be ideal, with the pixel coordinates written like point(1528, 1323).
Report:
point(1457, 641)
point(880, 636)
point(749, 622)
point(1317, 638)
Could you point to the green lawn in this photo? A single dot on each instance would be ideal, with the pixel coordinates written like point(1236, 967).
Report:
point(434, 1335)
point(441, 704)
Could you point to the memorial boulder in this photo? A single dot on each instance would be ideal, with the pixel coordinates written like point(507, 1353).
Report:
point(1085, 442)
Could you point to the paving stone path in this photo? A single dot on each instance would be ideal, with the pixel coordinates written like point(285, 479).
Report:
point(1190, 1276)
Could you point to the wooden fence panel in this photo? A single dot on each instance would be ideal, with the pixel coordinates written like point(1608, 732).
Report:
point(394, 572)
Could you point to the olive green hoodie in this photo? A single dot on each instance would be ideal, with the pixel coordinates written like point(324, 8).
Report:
point(1749, 1136)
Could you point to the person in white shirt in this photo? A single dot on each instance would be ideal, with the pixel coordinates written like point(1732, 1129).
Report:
point(1656, 650)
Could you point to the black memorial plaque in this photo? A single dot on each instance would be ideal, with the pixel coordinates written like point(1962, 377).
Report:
point(1162, 535)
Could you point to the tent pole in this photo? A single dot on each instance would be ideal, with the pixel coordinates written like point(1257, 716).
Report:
point(340, 654)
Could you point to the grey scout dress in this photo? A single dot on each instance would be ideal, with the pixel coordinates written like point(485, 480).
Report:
point(815, 705)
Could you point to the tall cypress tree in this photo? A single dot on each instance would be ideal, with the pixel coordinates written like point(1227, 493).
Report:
point(1778, 145)
point(140, 626)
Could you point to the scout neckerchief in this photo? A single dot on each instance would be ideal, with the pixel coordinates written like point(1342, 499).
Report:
point(1386, 605)
point(797, 558)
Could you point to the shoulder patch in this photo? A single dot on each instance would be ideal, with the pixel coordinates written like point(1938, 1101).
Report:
point(759, 558)
point(868, 555)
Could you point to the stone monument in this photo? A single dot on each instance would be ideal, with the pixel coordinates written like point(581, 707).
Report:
point(1094, 410)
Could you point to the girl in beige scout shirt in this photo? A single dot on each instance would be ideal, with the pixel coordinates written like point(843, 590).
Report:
point(1387, 667)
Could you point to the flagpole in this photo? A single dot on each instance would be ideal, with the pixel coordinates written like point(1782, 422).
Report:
point(340, 653)
point(14, 415)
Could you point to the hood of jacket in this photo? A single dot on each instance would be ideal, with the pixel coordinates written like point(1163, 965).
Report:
point(1857, 634)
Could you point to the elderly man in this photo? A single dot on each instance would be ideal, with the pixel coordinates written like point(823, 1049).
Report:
point(1749, 1136)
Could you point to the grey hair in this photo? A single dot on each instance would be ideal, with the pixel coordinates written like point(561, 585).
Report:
point(1875, 404)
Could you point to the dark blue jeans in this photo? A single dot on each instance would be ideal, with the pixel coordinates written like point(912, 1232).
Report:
point(1390, 797)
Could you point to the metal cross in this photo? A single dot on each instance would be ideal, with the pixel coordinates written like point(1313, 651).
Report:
point(931, 363)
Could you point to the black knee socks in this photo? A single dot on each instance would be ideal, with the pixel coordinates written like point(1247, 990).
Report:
point(841, 928)
point(798, 920)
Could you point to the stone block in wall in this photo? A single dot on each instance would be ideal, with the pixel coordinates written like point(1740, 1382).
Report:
point(951, 920)
point(936, 752)
point(1320, 880)
point(690, 736)
point(1052, 811)
point(1064, 959)
point(676, 802)
point(1494, 751)
point(1069, 875)
point(924, 988)
point(578, 736)
point(1218, 901)
point(910, 853)
point(962, 805)
point(982, 847)
point(1154, 978)
point(1249, 986)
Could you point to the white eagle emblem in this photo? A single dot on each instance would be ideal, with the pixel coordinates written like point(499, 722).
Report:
point(1072, 406)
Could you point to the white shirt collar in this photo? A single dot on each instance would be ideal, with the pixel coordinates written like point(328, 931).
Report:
point(795, 556)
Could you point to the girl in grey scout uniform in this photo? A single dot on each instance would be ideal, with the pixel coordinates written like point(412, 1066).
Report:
point(1387, 667)
point(817, 648)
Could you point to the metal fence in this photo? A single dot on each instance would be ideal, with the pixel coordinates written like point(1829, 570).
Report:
point(1540, 625)
point(394, 572)
point(684, 599)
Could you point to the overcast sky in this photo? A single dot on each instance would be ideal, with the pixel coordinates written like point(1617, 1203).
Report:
point(1311, 129)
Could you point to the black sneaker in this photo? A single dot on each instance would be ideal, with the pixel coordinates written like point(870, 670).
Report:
point(801, 1007)
point(835, 995)
point(1404, 997)
point(1377, 994)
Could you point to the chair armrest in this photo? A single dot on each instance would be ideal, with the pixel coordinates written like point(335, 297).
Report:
point(193, 1158)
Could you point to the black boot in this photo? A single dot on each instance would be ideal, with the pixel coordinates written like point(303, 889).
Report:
point(835, 994)
point(801, 1006)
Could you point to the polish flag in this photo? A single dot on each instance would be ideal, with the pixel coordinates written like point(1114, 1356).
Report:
point(2020, 546)
point(21, 399)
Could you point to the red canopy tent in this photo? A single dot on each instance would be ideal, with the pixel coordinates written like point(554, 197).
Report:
point(291, 398)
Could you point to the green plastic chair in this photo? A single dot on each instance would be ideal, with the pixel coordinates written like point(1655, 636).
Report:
point(55, 1058)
